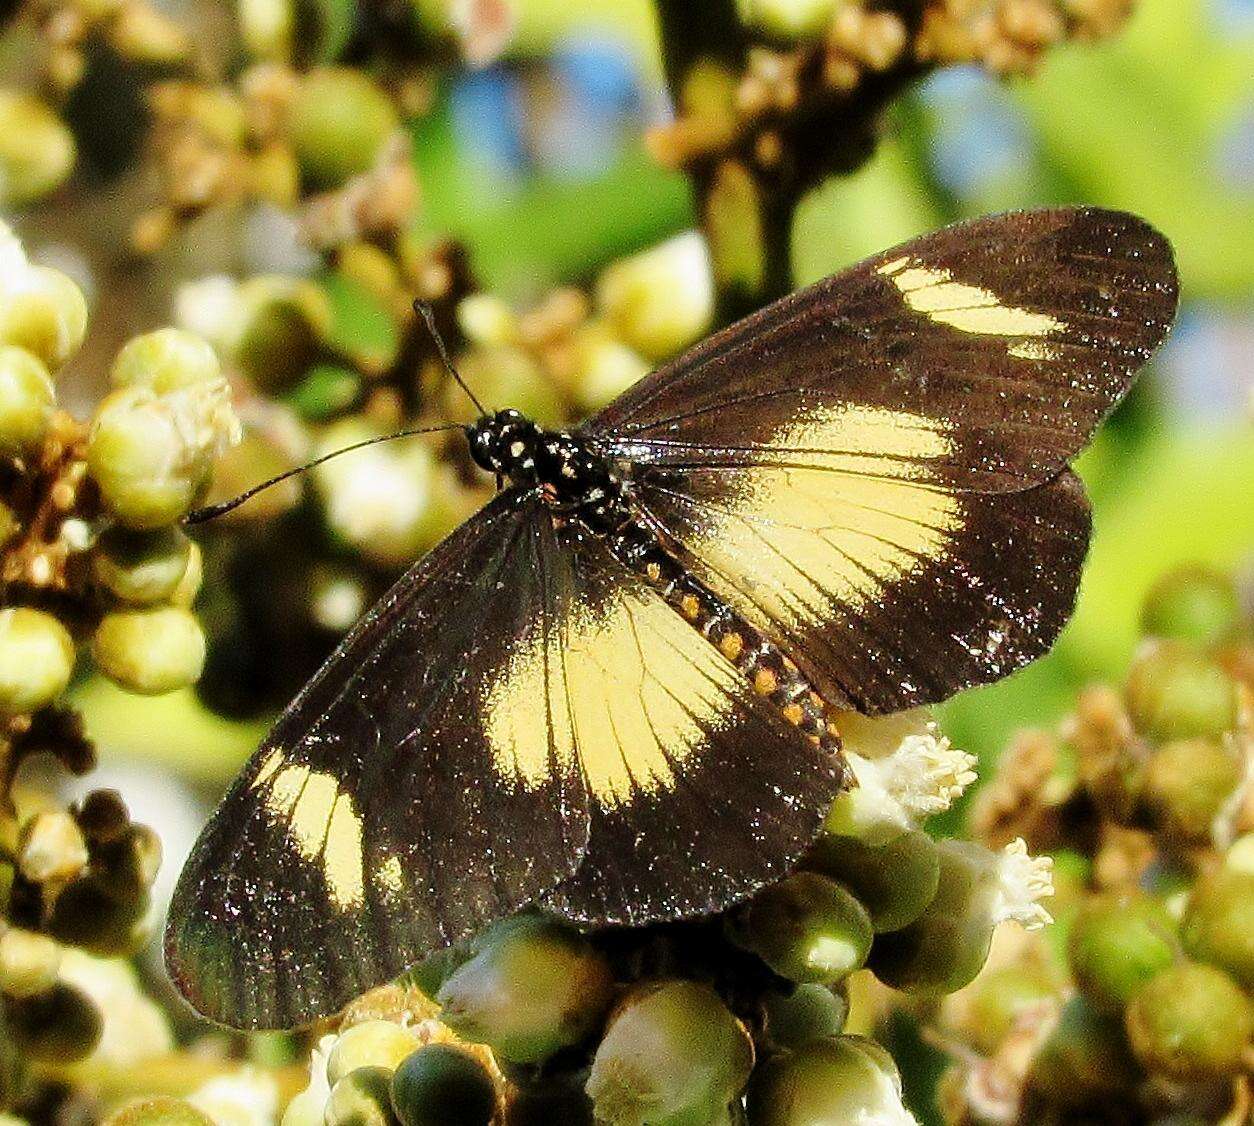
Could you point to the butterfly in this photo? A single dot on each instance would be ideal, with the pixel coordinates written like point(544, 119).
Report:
point(615, 691)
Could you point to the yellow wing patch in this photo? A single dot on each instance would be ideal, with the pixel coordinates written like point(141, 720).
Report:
point(320, 821)
point(968, 308)
point(841, 534)
point(646, 690)
point(633, 691)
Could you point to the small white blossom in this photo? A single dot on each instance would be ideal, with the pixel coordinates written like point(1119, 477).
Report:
point(1022, 881)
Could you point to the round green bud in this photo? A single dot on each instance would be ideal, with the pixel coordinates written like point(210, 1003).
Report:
point(373, 1043)
point(1218, 923)
point(673, 1053)
point(534, 986)
point(36, 149)
point(150, 652)
point(86, 914)
point(994, 1002)
point(788, 19)
point(433, 971)
point(840, 1079)
point(1118, 942)
point(27, 399)
point(141, 567)
point(307, 1107)
point(440, 1084)
point(279, 333)
point(1174, 692)
point(165, 361)
point(894, 882)
point(361, 1098)
point(339, 123)
point(36, 659)
point(1195, 605)
point(806, 928)
point(947, 945)
point(51, 848)
point(1085, 1057)
point(46, 313)
point(60, 1026)
point(28, 962)
point(138, 455)
point(160, 1110)
point(1187, 785)
point(809, 1012)
point(1190, 1022)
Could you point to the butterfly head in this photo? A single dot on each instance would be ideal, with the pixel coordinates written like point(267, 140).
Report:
point(506, 443)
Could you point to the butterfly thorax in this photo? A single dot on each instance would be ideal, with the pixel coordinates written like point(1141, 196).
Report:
point(572, 477)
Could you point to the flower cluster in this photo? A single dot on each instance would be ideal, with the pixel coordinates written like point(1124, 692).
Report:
point(91, 557)
point(1144, 801)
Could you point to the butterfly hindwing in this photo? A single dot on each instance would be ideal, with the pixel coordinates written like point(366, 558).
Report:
point(699, 791)
point(398, 805)
point(873, 470)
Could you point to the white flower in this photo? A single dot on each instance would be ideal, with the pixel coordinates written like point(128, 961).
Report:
point(1007, 885)
point(922, 775)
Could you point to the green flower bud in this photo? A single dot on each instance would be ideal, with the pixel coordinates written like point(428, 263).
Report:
point(440, 1084)
point(1190, 1022)
point(109, 925)
point(141, 567)
point(361, 1098)
point(1218, 923)
point(42, 311)
point(533, 987)
point(1194, 605)
point(36, 659)
point(946, 946)
point(988, 1009)
point(788, 19)
point(1174, 692)
point(27, 398)
point(893, 881)
point(1187, 785)
point(150, 652)
point(28, 962)
point(51, 848)
point(166, 360)
point(36, 149)
point(432, 972)
point(339, 123)
point(806, 928)
point(277, 331)
point(673, 1054)
point(1117, 943)
point(1085, 1057)
point(809, 1012)
point(60, 1026)
point(373, 1043)
point(147, 455)
point(662, 299)
point(841, 1079)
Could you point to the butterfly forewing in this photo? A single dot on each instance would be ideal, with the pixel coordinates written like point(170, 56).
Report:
point(873, 470)
point(399, 804)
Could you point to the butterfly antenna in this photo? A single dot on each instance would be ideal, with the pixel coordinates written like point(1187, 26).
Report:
point(211, 511)
point(428, 315)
